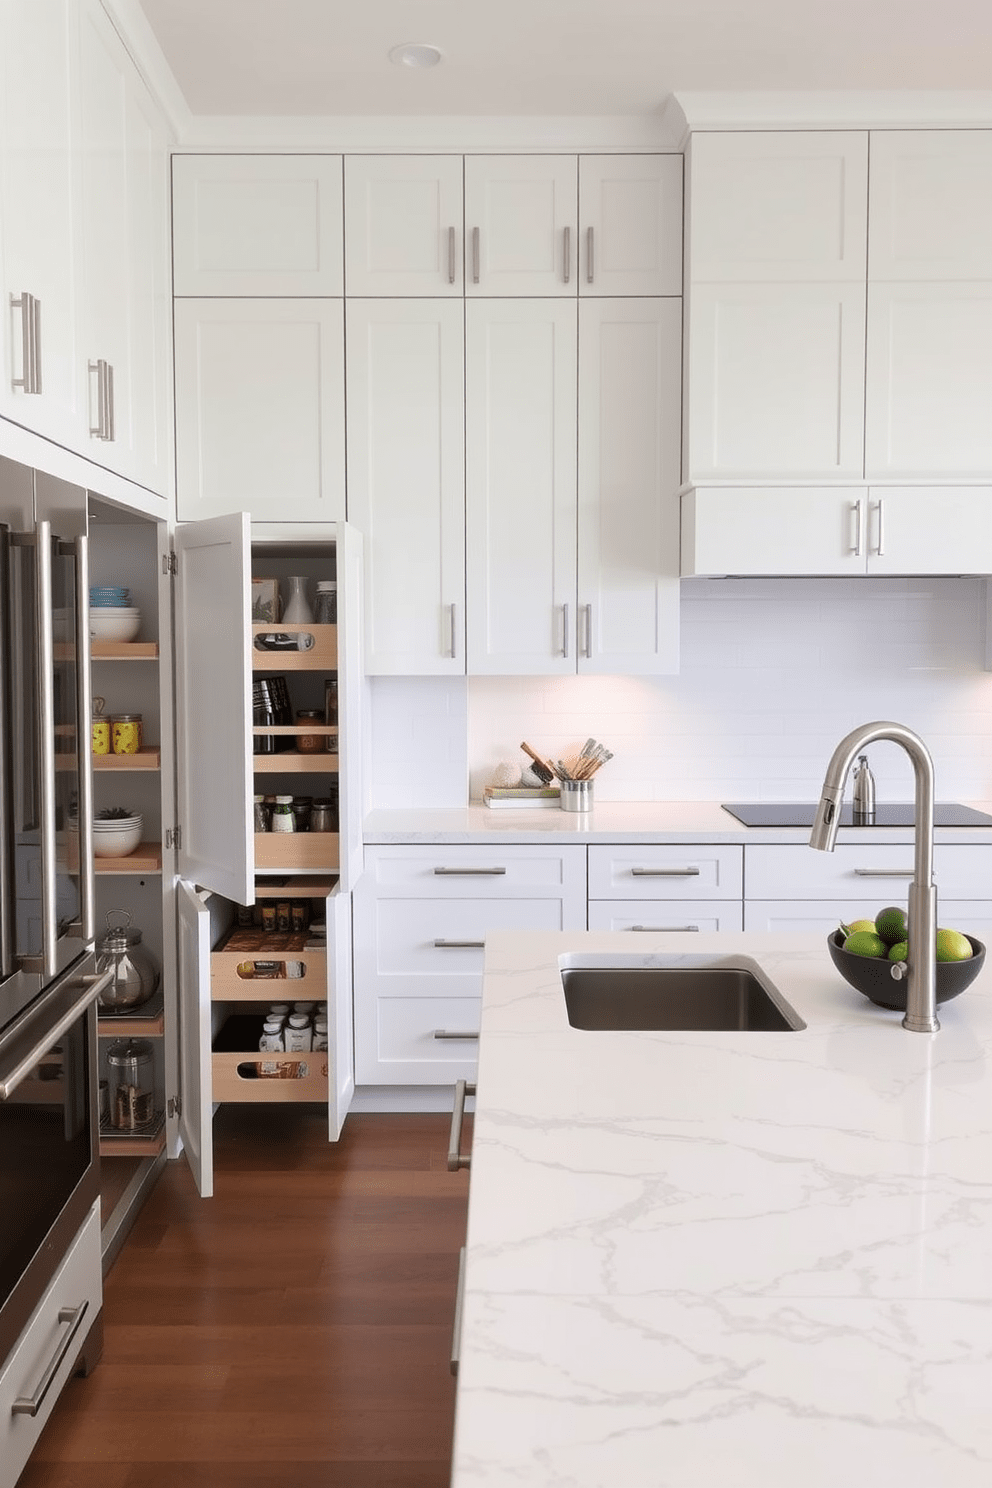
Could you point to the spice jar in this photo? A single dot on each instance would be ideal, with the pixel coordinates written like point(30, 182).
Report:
point(282, 815)
point(100, 728)
point(132, 1090)
point(260, 814)
point(125, 732)
point(323, 817)
point(325, 606)
point(309, 743)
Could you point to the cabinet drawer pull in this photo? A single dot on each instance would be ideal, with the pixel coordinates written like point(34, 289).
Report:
point(590, 275)
point(466, 872)
point(879, 528)
point(664, 872)
point(30, 1405)
point(30, 308)
point(451, 255)
point(587, 609)
point(564, 630)
point(567, 254)
point(460, 945)
point(667, 928)
point(453, 615)
point(456, 1158)
point(475, 255)
point(858, 513)
point(883, 872)
point(456, 1328)
point(455, 1033)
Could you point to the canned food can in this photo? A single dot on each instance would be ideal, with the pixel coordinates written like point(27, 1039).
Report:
point(125, 732)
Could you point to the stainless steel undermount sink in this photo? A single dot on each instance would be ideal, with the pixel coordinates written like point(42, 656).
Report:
point(678, 993)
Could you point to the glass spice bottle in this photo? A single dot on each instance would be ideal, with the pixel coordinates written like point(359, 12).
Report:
point(282, 815)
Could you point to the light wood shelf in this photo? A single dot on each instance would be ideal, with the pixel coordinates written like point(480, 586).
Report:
point(132, 1144)
point(147, 758)
point(146, 858)
point(294, 764)
point(321, 657)
point(123, 650)
point(303, 850)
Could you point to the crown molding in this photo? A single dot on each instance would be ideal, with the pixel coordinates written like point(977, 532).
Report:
point(131, 25)
point(836, 110)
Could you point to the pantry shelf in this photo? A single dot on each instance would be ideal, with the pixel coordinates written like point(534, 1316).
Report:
point(123, 650)
point(146, 858)
point(294, 764)
point(147, 758)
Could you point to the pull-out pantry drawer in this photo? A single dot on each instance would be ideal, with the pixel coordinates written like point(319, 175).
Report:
point(494, 871)
point(681, 915)
point(666, 871)
point(876, 873)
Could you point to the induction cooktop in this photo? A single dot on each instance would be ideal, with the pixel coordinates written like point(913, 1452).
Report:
point(887, 814)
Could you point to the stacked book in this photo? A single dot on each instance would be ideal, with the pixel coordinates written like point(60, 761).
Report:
point(515, 797)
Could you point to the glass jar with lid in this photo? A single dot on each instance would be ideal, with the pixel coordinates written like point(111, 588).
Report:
point(283, 819)
point(325, 605)
point(132, 1084)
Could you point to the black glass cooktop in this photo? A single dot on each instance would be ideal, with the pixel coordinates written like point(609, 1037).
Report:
point(887, 814)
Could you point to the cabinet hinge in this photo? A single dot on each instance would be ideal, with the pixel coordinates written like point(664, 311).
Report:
point(174, 1105)
point(174, 837)
point(170, 564)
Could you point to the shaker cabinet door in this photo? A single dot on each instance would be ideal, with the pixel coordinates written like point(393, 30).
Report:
point(406, 480)
point(520, 485)
point(521, 224)
point(403, 225)
point(630, 225)
point(260, 409)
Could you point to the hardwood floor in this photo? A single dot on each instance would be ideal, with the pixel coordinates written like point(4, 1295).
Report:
point(292, 1331)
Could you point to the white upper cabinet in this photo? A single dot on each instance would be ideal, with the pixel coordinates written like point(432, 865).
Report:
point(520, 425)
point(630, 225)
point(40, 386)
point(778, 208)
point(929, 364)
point(776, 307)
point(406, 480)
point(775, 381)
point(258, 225)
point(628, 480)
point(521, 224)
point(149, 318)
point(931, 205)
point(403, 225)
point(260, 408)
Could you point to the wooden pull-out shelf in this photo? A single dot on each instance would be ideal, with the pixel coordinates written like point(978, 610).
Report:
point(148, 758)
point(237, 1071)
point(304, 850)
point(322, 656)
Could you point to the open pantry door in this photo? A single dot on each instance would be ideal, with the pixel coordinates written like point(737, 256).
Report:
point(195, 1069)
point(341, 1022)
point(213, 705)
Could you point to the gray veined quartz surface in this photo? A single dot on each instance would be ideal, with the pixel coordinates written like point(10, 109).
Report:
point(721, 1260)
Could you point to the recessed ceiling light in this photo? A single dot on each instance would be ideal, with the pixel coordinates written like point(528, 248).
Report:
point(415, 54)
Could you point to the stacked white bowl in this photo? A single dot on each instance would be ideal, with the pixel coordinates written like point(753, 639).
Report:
point(112, 615)
point(116, 836)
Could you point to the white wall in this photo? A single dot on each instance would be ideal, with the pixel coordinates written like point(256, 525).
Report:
point(774, 673)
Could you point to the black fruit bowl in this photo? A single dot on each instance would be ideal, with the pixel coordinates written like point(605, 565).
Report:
point(873, 977)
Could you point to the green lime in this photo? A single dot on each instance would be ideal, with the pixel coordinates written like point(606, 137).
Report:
point(899, 951)
point(891, 925)
point(857, 925)
point(866, 943)
point(953, 946)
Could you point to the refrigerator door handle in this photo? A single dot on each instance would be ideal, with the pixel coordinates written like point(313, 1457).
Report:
point(45, 650)
point(85, 926)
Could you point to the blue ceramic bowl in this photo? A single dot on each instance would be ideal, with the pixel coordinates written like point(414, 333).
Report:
point(874, 979)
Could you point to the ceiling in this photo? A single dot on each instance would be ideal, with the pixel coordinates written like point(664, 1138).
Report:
point(310, 58)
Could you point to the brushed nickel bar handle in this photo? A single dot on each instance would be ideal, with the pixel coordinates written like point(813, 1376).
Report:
point(564, 630)
point(36, 345)
point(588, 627)
point(451, 255)
point(100, 368)
point(665, 928)
point(883, 872)
point(45, 653)
point(84, 720)
point(460, 945)
point(590, 272)
point(475, 255)
point(567, 255)
point(455, 1033)
point(880, 528)
point(30, 308)
point(111, 433)
point(454, 630)
point(664, 872)
point(858, 513)
point(30, 1405)
point(456, 1158)
point(466, 872)
point(456, 1328)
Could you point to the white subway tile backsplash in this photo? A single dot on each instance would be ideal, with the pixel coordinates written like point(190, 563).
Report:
point(774, 672)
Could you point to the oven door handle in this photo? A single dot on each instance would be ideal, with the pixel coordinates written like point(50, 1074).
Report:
point(10, 1078)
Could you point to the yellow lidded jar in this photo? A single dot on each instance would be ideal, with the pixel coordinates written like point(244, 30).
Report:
point(125, 733)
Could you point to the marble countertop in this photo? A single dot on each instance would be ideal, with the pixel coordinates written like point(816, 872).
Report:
point(726, 1260)
point(617, 821)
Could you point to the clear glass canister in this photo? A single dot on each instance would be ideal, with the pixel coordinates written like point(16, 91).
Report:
point(325, 605)
point(135, 970)
point(132, 1084)
point(282, 815)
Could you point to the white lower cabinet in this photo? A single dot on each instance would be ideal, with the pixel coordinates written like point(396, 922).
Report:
point(420, 919)
point(677, 887)
point(61, 1321)
point(792, 888)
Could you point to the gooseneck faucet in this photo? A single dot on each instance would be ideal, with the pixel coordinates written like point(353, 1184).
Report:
point(921, 962)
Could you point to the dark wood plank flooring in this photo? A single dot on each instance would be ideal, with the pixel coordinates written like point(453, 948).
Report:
point(294, 1331)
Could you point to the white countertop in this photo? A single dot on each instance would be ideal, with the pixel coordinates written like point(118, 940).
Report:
point(726, 1260)
point(617, 821)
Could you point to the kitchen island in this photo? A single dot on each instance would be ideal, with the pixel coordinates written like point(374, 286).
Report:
point(726, 1260)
